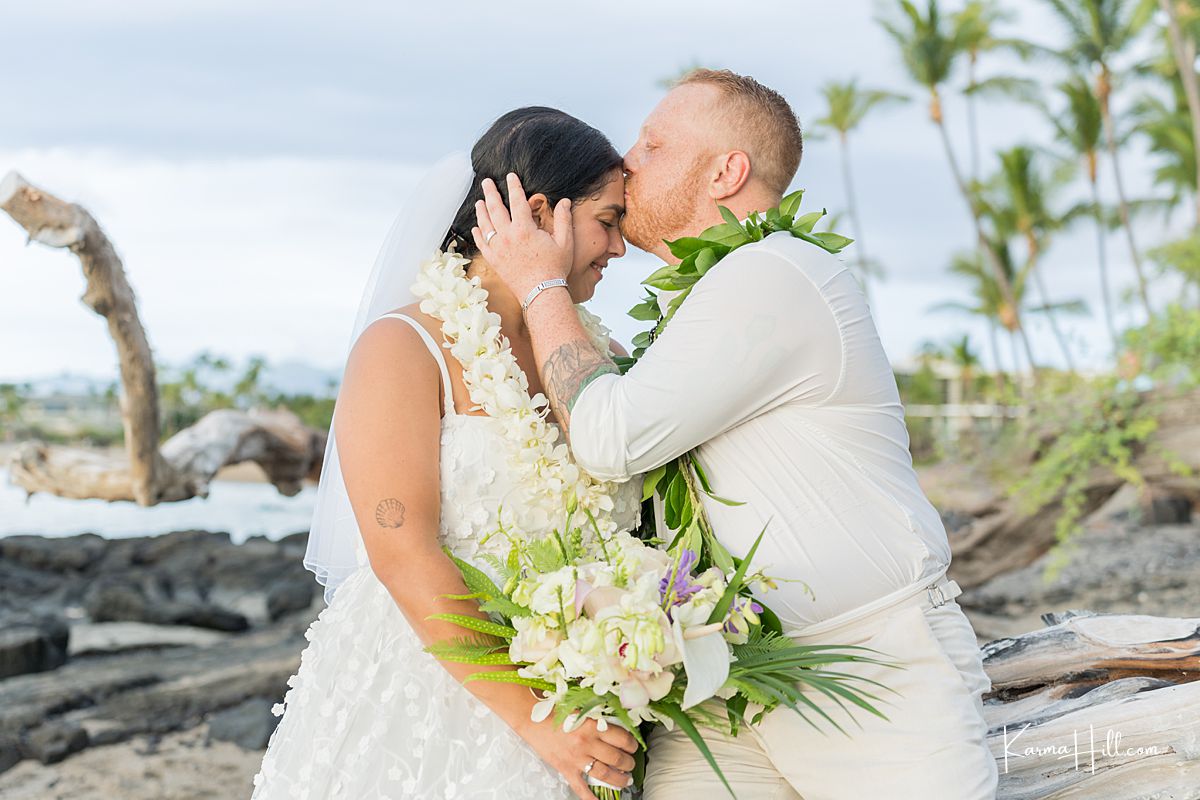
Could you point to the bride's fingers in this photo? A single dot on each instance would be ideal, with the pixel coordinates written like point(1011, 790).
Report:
point(612, 756)
point(495, 205)
point(613, 777)
point(620, 738)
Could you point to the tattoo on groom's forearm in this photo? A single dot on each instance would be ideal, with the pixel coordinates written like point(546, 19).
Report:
point(568, 370)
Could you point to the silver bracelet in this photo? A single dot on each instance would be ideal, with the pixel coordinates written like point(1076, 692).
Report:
point(541, 287)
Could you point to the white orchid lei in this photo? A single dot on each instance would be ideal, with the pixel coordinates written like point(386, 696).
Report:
point(499, 387)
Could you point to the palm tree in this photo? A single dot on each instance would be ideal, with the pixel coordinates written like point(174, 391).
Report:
point(1021, 194)
point(960, 353)
point(974, 31)
point(987, 304)
point(1183, 47)
point(929, 49)
point(1099, 31)
point(846, 106)
point(1080, 127)
point(1169, 134)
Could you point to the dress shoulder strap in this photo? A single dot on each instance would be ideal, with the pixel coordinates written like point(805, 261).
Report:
point(448, 395)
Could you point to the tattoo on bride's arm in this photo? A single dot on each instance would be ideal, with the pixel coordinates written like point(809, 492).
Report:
point(568, 370)
point(390, 513)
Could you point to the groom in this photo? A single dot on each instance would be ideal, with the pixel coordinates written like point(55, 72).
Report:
point(773, 368)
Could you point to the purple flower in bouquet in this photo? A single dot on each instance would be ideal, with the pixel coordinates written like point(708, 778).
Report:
point(743, 613)
point(677, 586)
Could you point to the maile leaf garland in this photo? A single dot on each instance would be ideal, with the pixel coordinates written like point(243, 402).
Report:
point(699, 254)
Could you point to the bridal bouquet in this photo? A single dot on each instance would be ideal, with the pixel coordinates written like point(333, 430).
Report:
point(603, 624)
point(614, 629)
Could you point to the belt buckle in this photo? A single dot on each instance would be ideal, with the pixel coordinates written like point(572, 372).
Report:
point(936, 596)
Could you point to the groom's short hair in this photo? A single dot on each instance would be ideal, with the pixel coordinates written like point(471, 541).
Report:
point(773, 138)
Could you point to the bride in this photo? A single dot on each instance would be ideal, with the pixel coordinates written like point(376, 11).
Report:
point(412, 467)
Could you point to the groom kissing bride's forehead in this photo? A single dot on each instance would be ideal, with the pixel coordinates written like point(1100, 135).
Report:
point(764, 381)
point(715, 138)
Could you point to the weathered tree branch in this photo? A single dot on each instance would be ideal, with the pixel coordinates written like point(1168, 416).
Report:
point(57, 223)
point(1096, 706)
point(285, 448)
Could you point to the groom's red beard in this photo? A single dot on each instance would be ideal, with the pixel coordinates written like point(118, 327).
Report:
point(665, 214)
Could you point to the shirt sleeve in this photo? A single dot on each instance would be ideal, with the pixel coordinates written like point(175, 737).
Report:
point(754, 333)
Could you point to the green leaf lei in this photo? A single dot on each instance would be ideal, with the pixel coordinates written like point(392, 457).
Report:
point(680, 482)
point(700, 254)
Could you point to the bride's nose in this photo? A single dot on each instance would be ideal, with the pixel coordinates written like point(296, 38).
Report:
point(616, 244)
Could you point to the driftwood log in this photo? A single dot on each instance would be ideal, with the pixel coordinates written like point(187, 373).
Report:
point(1004, 536)
point(1096, 706)
point(287, 451)
point(277, 441)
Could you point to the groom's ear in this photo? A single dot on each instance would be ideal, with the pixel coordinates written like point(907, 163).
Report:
point(543, 213)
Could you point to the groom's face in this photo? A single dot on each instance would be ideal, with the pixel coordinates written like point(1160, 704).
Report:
point(667, 168)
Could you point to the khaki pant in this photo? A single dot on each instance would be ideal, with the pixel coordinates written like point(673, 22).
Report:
point(934, 745)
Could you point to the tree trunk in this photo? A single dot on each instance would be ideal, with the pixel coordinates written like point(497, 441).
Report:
point(286, 449)
point(57, 223)
point(1184, 49)
point(1044, 296)
point(1102, 258)
point(972, 124)
point(1096, 706)
point(1002, 280)
point(1110, 139)
point(852, 204)
point(994, 343)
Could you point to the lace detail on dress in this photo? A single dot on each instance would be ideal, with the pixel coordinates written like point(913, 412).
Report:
point(370, 714)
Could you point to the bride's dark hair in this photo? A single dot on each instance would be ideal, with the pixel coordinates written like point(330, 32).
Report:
point(552, 152)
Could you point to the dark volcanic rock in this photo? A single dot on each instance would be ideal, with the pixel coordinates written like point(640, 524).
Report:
point(32, 646)
point(248, 724)
point(291, 595)
point(134, 601)
point(117, 697)
point(54, 741)
point(10, 751)
point(1119, 568)
point(257, 592)
point(73, 554)
point(1168, 510)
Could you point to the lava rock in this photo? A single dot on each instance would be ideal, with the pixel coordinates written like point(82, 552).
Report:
point(248, 724)
point(1168, 510)
point(74, 554)
point(53, 741)
point(32, 646)
point(287, 596)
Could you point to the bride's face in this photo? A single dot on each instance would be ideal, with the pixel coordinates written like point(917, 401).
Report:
point(597, 230)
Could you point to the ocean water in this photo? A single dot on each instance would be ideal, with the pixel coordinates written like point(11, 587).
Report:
point(241, 509)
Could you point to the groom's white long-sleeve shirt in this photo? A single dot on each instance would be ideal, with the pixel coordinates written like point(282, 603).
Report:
point(773, 367)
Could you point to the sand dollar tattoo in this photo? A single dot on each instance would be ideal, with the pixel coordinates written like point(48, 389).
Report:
point(390, 513)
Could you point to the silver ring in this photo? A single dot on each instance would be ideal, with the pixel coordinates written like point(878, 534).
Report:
point(588, 769)
point(487, 237)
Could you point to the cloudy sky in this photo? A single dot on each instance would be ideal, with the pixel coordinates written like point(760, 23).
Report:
point(247, 158)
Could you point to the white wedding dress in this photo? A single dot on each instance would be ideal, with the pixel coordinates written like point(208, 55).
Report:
point(370, 714)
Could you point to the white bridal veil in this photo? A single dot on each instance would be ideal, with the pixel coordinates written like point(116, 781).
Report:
point(416, 234)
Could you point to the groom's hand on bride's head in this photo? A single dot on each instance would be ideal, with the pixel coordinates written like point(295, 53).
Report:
point(513, 242)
